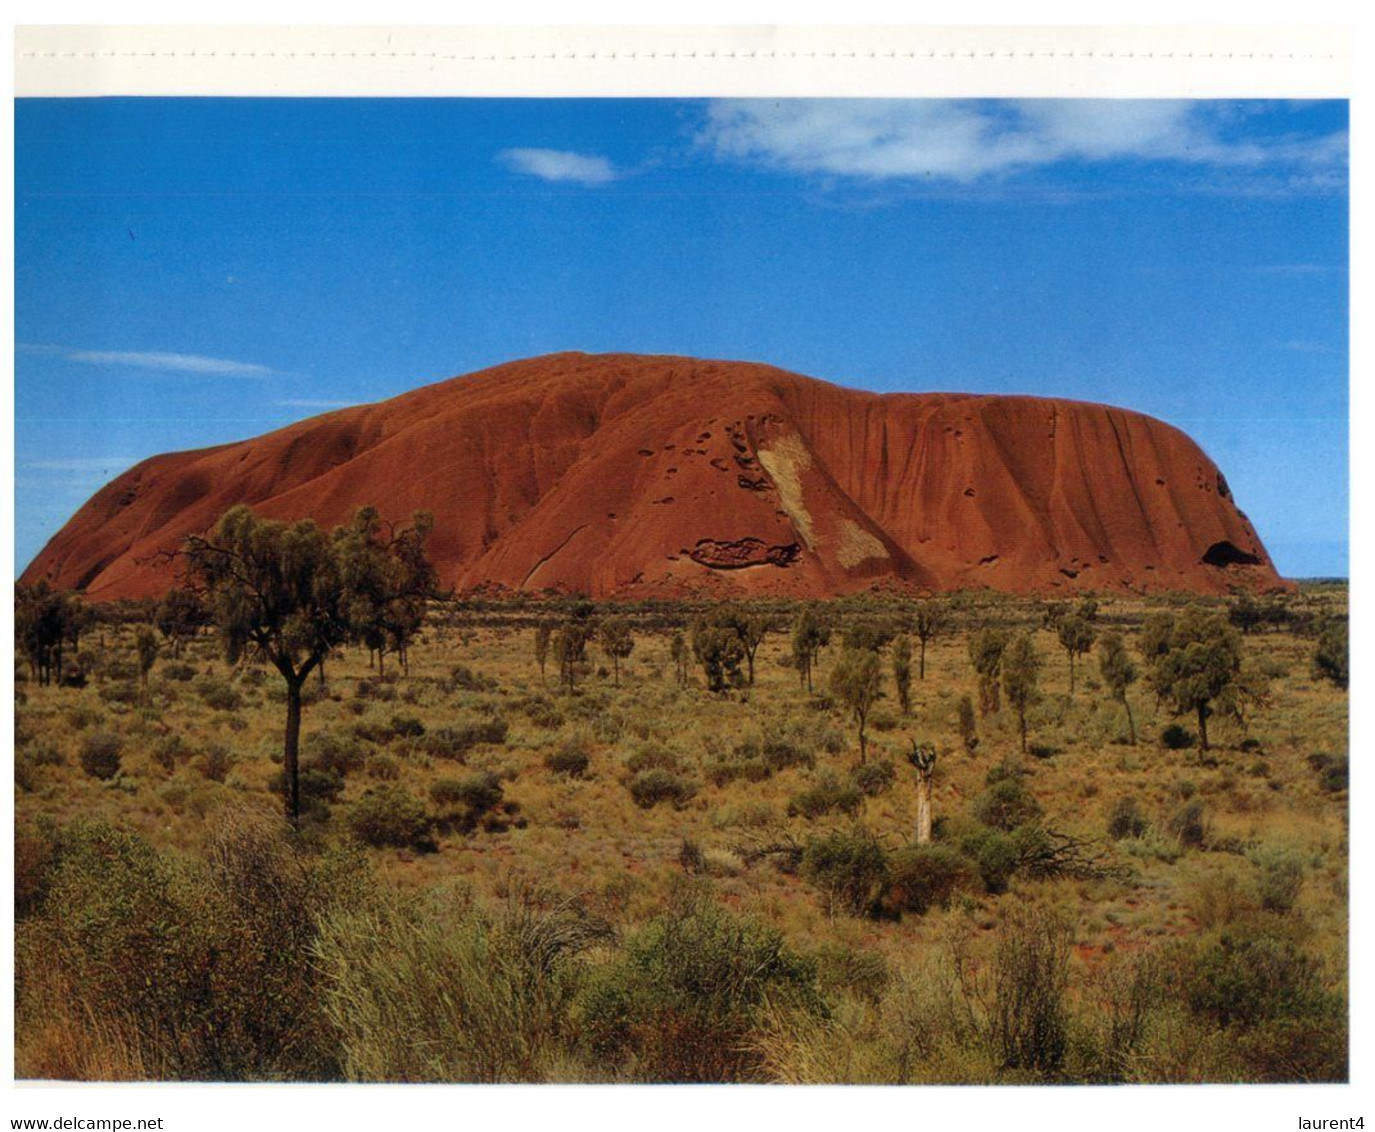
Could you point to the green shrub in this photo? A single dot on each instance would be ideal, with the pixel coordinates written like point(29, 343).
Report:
point(334, 752)
point(873, 779)
point(177, 671)
point(389, 816)
point(1279, 877)
point(827, 795)
point(170, 750)
point(406, 727)
point(1126, 819)
point(1333, 771)
point(1177, 738)
point(921, 877)
point(455, 742)
point(384, 768)
point(100, 754)
point(1007, 804)
point(463, 678)
point(849, 866)
point(1190, 824)
point(995, 856)
point(650, 787)
point(570, 758)
point(194, 971)
point(688, 996)
point(218, 694)
point(652, 756)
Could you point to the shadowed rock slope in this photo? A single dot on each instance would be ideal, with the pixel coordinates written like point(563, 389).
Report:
point(664, 476)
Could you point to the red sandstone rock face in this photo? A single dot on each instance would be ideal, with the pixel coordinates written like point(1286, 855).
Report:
point(659, 476)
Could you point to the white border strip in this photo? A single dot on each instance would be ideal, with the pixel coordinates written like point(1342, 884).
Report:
point(1104, 62)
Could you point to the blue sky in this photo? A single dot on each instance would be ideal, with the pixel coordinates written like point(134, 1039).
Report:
point(193, 271)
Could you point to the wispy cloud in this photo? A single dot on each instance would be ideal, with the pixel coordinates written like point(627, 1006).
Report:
point(311, 403)
point(155, 360)
point(560, 165)
point(83, 464)
point(965, 142)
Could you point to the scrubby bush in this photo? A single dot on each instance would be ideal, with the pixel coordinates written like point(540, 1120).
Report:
point(1126, 819)
point(463, 678)
point(569, 758)
point(383, 768)
point(1279, 877)
point(686, 997)
point(218, 694)
point(455, 742)
point(170, 750)
point(873, 779)
point(827, 795)
point(1189, 824)
point(406, 727)
point(995, 856)
point(921, 877)
point(216, 763)
point(100, 751)
point(849, 867)
point(390, 816)
point(177, 672)
point(1333, 771)
point(334, 752)
point(1177, 737)
point(650, 787)
point(1006, 804)
point(652, 756)
point(139, 965)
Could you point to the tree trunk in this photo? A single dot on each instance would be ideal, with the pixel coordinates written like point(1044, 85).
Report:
point(923, 807)
point(1071, 672)
point(1021, 724)
point(615, 671)
point(1203, 726)
point(921, 661)
point(863, 744)
point(1131, 723)
point(749, 660)
point(291, 745)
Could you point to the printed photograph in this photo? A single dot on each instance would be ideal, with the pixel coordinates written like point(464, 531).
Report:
point(647, 590)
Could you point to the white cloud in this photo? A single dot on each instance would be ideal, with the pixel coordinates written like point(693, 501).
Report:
point(156, 360)
point(83, 464)
point(560, 165)
point(965, 141)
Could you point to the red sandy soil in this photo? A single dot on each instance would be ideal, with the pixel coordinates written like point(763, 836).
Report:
point(620, 474)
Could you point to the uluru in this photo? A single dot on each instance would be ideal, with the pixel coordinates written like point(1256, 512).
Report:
point(654, 476)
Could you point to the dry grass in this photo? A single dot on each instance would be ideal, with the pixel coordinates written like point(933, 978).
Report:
point(585, 836)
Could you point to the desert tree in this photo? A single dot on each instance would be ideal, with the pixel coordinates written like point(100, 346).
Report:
point(810, 635)
point(986, 656)
point(615, 638)
point(1201, 667)
point(719, 650)
point(922, 756)
point(388, 580)
point(543, 631)
point(968, 725)
point(932, 619)
point(856, 682)
point(179, 614)
point(569, 643)
point(280, 590)
point(902, 672)
point(1076, 634)
point(1119, 673)
point(45, 621)
point(1021, 670)
point(678, 652)
point(1330, 659)
point(749, 626)
point(145, 651)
